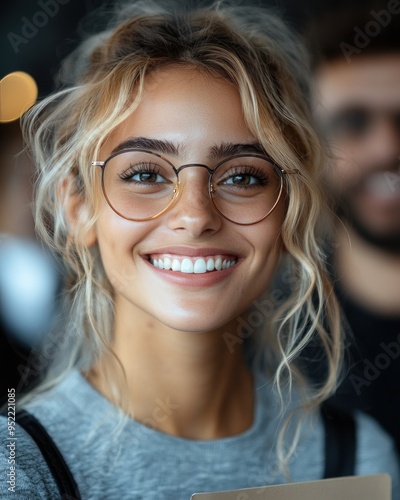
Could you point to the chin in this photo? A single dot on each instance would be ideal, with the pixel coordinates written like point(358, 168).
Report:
point(193, 325)
point(192, 322)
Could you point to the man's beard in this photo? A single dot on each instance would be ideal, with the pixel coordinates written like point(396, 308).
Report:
point(389, 242)
point(379, 180)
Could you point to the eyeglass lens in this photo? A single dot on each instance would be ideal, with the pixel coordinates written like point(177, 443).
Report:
point(140, 185)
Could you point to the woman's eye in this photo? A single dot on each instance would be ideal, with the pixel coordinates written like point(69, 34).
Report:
point(150, 177)
point(245, 179)
point(242, 180)
point(143, 174)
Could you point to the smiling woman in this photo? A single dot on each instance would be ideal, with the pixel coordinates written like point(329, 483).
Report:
point(163, 214)
point(173, 173)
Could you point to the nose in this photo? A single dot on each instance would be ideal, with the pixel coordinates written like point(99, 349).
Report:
point(382, 146)
point(194, 212)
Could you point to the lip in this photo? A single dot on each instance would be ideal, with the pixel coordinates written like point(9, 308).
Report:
point(192, 280)
point(383, 186)
point(385, 200)
point(193, 252)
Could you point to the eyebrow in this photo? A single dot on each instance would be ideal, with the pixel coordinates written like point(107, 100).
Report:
point(231, 149)
point(166, 147)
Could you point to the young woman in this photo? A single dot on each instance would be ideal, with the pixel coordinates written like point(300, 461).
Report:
point(174, 171)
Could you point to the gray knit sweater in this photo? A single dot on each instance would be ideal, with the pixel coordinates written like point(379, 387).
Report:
point(140, 462)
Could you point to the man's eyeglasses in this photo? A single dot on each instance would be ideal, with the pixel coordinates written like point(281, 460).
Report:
point(356, 122)
point(140, 185)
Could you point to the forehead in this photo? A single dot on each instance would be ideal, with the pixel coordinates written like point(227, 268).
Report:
point(373, 81)
point(186, 107)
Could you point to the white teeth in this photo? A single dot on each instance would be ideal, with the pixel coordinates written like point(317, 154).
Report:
point(383, 185)
point(189, 265)
point(176, 265)
point(200, 266)
point(210, 265)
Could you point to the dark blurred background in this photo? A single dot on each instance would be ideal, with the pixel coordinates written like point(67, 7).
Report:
point(41, 54)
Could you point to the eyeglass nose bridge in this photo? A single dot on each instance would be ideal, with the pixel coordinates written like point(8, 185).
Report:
point(200, 165)
point(210, 171)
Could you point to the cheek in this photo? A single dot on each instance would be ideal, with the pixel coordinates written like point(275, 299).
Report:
point(349, 161)
point(117, 239)
point(269, 256)
point(344, 172)
point(266, 240)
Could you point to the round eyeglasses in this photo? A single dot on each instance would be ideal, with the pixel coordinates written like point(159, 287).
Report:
point(141, 185)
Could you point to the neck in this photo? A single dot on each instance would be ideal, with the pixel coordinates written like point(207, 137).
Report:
point(182, 383)
point(369, 275)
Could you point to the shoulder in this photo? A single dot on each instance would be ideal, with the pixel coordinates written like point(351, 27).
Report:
point(81, 423)
point(21, 462)
point(376, 451)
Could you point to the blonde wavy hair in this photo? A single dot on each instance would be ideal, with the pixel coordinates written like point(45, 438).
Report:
point(252, 49)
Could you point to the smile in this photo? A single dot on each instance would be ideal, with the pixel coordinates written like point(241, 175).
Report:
point(383, 185)
point(192, 265)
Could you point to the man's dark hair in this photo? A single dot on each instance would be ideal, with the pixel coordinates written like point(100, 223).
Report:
point(354, 30)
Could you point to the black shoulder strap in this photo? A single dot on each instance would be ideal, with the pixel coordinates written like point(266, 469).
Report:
point(57, 465)
point(340, 442)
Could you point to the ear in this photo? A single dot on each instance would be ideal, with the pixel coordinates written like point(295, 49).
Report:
point(76, 213)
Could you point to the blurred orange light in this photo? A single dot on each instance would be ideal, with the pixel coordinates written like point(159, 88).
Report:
point(18, 92)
